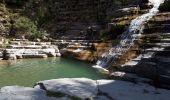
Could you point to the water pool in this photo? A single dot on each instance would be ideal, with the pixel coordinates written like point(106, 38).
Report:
point(26, 72)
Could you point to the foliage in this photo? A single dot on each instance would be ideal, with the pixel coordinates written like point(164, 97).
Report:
point(43, 16)
point(26, 26)
point(165, 6)
point(38, 34)
point(39, 11)
point(113, 32)
point(104, 35)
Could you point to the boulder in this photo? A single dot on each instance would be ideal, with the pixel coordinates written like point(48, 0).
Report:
point(78, 87)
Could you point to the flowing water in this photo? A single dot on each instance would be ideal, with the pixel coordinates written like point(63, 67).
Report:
point(128, 37)
point(26, 72)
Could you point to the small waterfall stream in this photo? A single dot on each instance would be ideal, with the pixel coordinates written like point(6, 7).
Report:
point(127, 38)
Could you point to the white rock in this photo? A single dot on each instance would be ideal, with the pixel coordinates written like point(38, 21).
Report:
point(79, 87)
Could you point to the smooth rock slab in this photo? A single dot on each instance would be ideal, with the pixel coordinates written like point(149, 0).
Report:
point(78, 87)
point(122, 90)
point(23, 93)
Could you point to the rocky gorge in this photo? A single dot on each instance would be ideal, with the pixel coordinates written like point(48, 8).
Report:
point(85, 30)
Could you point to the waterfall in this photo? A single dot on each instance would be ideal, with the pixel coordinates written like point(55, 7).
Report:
point(128, 37)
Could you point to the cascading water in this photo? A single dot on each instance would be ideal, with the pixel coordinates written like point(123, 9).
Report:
point(127, 38)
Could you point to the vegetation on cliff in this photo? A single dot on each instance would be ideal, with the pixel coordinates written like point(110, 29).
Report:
point(31, 17)
point(24, 26)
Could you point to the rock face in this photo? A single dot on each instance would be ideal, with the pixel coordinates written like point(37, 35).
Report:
point(68, 18)
point(152, 59)
point(120, 90)
point(72, 18)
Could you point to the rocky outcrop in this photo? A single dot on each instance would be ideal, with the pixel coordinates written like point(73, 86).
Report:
point(26, 49)
point(72, 18)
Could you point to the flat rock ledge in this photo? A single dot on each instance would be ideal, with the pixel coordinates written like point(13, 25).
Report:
point(84, 89)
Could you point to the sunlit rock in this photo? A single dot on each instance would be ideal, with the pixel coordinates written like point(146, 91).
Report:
point(78, 87)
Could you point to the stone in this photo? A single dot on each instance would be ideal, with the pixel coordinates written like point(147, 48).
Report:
point(11, 57)
point(58, 54)
point(23, 93)
point(78, 87)
point(122, 90)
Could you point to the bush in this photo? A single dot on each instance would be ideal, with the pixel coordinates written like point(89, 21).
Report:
point(43, 16)
point(26, 24)
point(38, 34)
point(41, 12)
point(112, 33)
point(26, 27)
point(165, 6)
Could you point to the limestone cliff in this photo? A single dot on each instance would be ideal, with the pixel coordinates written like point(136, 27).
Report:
point(62, 19)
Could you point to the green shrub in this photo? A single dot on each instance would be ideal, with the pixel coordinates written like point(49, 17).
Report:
point(112, 33)
point(165, 6)
point(26, 24)
point(28, 27)
point(38, 34)
point(41, 12)
point(43, 16)
point(104, 35)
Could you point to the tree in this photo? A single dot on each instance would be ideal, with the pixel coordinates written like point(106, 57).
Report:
point(27, 27)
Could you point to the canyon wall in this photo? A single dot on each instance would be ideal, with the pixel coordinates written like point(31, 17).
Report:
point(66, 18)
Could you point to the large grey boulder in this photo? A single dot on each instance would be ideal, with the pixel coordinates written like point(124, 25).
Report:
point(78, 87)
